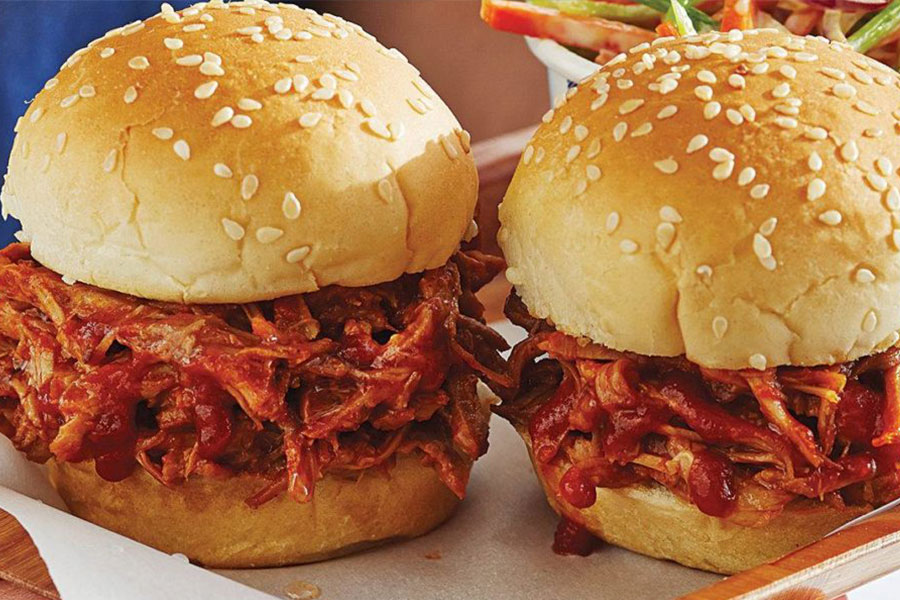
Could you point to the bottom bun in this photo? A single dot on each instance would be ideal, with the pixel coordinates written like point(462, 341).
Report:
point(207, 520)
point(651, 520)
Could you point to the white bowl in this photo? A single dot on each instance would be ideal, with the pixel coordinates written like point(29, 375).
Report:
point(564, 67)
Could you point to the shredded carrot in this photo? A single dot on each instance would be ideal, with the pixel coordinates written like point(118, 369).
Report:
point(665, 28)
point(738, 14)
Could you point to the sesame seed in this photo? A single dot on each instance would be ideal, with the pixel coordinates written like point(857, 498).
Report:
point(862, 77)
point(703, 92)
point(711, 110)
point(233, 229)
point(593, 148)
point(815, 189)
point(870, 321)
point(814, 162)
point(736, 81)
point(170, 43)
point(667, 111)
point(241, 121)
point(323, 94)
point(843, 90)
point(283, 86)
point(250, 30)
point(619, 131)
point(385, 190)
point(892, 199)
point(206, 90)
point(642, 130)
point(816, 133)
point(706, 76)
point(788, 71)
point(884, 165)
point(190, 60)
point(130, 95)
point(377, 127)
point(850, 151)
point(667, 85)
point(670, 214)
point(895, 238)
point(866, 108)
point(723, 170)
point(297, 254)
point(222, 170)
point(782, 90)
point(864, 275)
point(746, 175)
point(612, 222)
point(573, 153)
point(249, 104)
point(565, 125)
point(328, 81)
point(69, 101)
point(748, 112)
point(36, 114)
point(758, 362)
point(51, 83)
point(581, 133)
point(267, 235)
point(211, 69)
point(665, 235)
point(805, 57)
point(528, 154)
point(109, 163)
point(759, 191)
point(453, 153)
point(721, 155)
point(193, 27)
point(786, 122)
point(163, 133)
point(628, 246)
point(417, 105)
point(107, 52)
point(61, 142)
point(719, 327)
point(697, 142)
point(667, 165)
point(304, 58)
point(222, 116)
point(182, 149)
point(831, 217)
point(768, 226)
point(539, 156)
point(760, 68)
point(833, 73)
point(139, 63)
point(734, 117)
point(593, 172)
point(629, 106)
point(878, 183)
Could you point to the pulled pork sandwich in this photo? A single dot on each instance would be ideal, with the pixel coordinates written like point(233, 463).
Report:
point(704, 247)
point(241, 326)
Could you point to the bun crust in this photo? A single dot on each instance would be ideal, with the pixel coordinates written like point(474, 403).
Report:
point(124, 178)
point(651, 520)
point(207, 520)
point(744, 214)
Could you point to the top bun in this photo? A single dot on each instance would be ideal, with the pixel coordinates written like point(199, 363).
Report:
point(727, 196)
point(239, 152)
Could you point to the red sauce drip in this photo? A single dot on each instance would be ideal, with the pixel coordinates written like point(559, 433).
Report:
point(212, 419)
point(551, 423)
point(576, 488)
point(859, 413)
point(711, 482)
point(115, 466)
point(573, 539)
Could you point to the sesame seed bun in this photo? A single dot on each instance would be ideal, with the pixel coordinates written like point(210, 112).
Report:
point(731, 197)
point(202, 520)
point(673, 529)
point(236, 153)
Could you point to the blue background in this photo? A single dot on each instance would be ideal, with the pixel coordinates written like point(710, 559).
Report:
point(36, 37)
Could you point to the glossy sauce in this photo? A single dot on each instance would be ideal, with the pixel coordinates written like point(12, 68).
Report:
point(711, 483)
point(573, 539)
